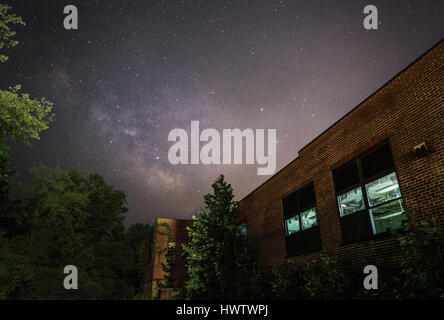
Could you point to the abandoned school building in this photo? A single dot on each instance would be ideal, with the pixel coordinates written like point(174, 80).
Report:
point(378, 166)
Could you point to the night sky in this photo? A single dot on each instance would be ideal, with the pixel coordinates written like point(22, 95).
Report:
point(134, 70)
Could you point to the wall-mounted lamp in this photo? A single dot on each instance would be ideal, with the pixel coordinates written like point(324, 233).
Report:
point(422, 149)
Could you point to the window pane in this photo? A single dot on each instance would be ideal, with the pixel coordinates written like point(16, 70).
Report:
point(389, 216)
point(377, 161)
point(290, 205)
point(292, 225)
point(306, 197)
point(356, 227)
point(243, 229)
point(303, 242)
point(383, 189)
point(351, 201)
point(346, 176)
point(309, 219)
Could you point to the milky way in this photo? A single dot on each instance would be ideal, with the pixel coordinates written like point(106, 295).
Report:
point(137, 69)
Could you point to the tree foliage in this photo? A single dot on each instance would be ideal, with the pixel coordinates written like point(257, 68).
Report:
point(21, 119)
point(7, 34)
point(326, 279)
point(323, 279)
point(220, 262)
point(71, 219)
point(61, 217)
point(422, 267)
point(288, 283)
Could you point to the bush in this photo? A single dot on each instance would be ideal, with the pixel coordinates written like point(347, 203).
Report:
point(422, 275)
point(288, 283)
point(326, 280)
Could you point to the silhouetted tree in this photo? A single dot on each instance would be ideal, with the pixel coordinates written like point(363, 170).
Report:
point(220, 262)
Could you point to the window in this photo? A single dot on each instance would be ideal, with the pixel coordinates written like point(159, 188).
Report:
point(351, 201)
point(171, 254)
point(243, 229)
point(309, 219)
point(292, 225)
point(368, 195)
point(301, 223)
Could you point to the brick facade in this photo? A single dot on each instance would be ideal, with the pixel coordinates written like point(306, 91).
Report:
point(165, 231)
point(407, 111)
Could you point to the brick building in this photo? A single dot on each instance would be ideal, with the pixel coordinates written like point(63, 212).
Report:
point(163, 267)
point(379, 165)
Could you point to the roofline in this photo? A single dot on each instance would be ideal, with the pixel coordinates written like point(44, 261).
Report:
point(345, 115)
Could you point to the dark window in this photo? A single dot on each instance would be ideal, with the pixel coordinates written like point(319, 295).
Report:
point(378, 161)
point(372, 203)
point(307, 197)
point(346, 176)
point(301, 223)
point(171, 254)
point(357, 227)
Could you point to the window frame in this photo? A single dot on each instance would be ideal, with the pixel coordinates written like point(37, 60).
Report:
point(361, 184)
point(302, 232)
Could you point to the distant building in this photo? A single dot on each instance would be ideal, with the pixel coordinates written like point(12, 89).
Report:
point(163, 268)
point(378, 166)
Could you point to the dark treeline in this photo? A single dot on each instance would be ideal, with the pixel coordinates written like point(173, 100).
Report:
point(60, 217)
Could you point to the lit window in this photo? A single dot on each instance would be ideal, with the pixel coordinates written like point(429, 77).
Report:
point(389, 216)
point(383, 189)
point(368, 194)
point(351, 201)
point(292, 225)
point(301, 223)
point(309, 218)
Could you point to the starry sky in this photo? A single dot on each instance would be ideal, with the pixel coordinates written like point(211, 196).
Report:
point(134, 70)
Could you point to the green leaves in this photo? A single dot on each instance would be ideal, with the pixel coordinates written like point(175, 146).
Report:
point(6, 32)
point(22, 118)
point(62, 217)
point(71, 219)
point(323, 279)
point(423, 261)
point(326, 279)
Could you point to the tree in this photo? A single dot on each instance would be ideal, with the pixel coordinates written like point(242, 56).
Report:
point(220, 262)
point(21, 120)
point(137, 237)
point(71, 219)
point(61, 217)
point(6, 33)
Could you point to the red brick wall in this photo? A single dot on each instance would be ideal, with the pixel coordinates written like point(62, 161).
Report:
point(406, 111)
point(152, 266)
